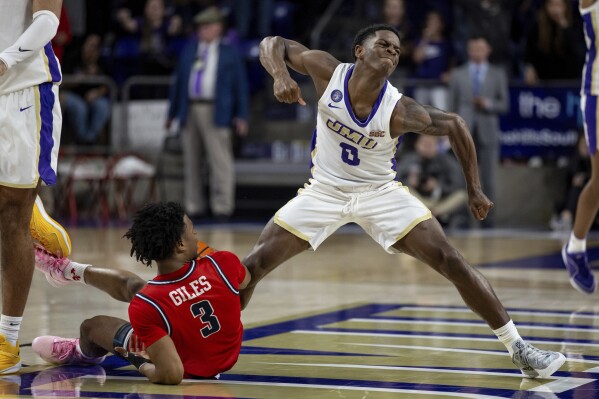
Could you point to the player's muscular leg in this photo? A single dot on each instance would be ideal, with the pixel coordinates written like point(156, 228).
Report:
point(588, 202)
point(427, 243)
point(97, 333)
point(274, 247)
point(17, 259)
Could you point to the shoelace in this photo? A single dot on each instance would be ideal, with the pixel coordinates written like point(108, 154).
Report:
point(536, 353)
point(62, 349)
point(52, 263)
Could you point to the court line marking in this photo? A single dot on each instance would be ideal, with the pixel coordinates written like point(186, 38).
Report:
point(329, 387)
point(431, 348)
point(512, 312)
point(432, 337)
point(557, 386)
point(445, 349)
point(567, 382)
point(448, 337)
point(468, 324)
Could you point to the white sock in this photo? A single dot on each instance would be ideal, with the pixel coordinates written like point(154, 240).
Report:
point(508, 334)
point(9, 327)
point(75, 272)
point(78, 349)
point(576, 244)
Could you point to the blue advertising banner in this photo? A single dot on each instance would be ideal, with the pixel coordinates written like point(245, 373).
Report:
point(543, 122)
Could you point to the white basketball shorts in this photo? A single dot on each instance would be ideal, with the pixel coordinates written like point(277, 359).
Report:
point(30, 126)
point(386, 213)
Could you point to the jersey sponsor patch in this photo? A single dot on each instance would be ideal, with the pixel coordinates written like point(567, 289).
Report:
point(336, 96)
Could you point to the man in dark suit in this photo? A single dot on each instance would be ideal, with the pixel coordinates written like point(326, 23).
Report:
point(209, 99)
point(478, 91)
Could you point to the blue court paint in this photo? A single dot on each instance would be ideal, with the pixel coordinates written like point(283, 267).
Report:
point(111, 366)
point(552, 261)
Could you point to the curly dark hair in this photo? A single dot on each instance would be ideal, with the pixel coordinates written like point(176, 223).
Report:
point(156, 231)
point(368, 31)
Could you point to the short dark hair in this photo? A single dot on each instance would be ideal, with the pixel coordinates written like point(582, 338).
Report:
point(368, 31)
point(156, 231)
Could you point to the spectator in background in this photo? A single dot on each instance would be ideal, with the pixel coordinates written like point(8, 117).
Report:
point(555, 45)
point(156, 32)
point(209, 96)
point(579, 172)
point(63, 35)
point(435, 178)
point(394, 14)
point(432, 56)
point(262, 10)
point(490, 19)
point(478, 91)
point(86, 107)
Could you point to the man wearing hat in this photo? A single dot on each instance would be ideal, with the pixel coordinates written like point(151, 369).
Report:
point(209, 99)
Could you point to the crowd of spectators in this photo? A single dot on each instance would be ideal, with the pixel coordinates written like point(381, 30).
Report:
point(529, 41)
point(530, 38)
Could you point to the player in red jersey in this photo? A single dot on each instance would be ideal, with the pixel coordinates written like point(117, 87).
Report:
point(183, 323)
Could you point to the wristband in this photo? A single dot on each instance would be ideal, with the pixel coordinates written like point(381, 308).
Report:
point(136, 360)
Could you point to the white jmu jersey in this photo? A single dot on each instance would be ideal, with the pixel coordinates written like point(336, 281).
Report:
point(349, 152)
point(590, 74)
point(15, 18)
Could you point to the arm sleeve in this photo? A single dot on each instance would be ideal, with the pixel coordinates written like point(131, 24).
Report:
point(146, 322)
point(36, 36)
point(231, 266)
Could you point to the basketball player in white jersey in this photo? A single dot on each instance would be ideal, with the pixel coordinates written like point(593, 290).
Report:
point(30, 123)
point(361, 118)
point(574, 253)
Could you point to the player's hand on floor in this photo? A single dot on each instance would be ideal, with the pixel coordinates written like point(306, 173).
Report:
point(137, 359)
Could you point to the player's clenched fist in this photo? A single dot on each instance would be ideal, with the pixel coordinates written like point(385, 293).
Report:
point(286, 90)
point(479, 204)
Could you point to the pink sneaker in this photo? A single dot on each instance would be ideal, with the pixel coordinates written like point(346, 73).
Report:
point(51, 266)
point(57, 350)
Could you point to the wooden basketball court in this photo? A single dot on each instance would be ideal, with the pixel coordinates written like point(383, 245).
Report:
point(348, 321)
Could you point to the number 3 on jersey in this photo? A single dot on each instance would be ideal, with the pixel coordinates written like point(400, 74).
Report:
point(204, 311)
point(349, 154)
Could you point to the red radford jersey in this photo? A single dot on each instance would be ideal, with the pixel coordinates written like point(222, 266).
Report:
point(198, 306)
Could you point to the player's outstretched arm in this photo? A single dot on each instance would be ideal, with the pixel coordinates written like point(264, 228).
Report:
point(49, 5)
point(43, 28)
point(246, 279)
point(121, 285)
point(276, 53)
point(164, 365)
point(587, 3)
point(410, 116)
